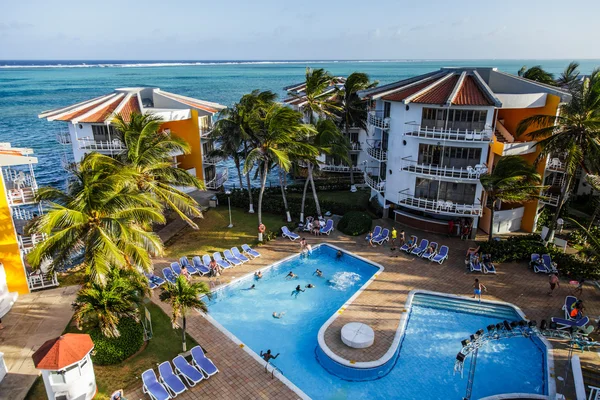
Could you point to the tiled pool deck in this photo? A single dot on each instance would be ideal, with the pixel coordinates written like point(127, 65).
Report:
point(379, 306)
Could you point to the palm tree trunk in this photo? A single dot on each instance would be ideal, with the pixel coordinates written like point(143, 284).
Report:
point(595, 214)
point(314, 190)
point(236, 160)
point(304, 198)
point(491, 233)
point(263, 183)
point(251, 209)
point(285, 203)
point(183, 334)
point(350, 157)
point(561, 202)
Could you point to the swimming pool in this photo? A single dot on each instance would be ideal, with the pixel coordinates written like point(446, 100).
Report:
point(422, 367)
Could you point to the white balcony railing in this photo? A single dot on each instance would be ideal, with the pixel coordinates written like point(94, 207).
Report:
point(219, 179)
point(457, 135)
point(63, 137)
point(550, 199)
point(468, 173)
point(22, 214)
point(210, 160)
point(376, 152)
point(337, 168)
point(27, 243)
point(375, 182)
point(114, 145)
point(205, 132)
point(355, 146)
point(439, 206)
point(376, 119)
point(555, 165)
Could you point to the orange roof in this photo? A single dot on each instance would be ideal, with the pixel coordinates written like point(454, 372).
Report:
point(471, 94)
point(103, 113)
point(402, 94)
point(438, 94)
point(132, 106)
point(75, 114)
point(56, 354)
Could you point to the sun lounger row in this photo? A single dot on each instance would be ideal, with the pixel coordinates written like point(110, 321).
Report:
point(171, 381)
point(326, 230)
point(429, 251)
point(201, 266)
point(380, 236)
point(477, 265)
point(543, 264)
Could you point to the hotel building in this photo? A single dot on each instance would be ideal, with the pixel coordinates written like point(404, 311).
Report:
point(89, 127)
point(431, 137)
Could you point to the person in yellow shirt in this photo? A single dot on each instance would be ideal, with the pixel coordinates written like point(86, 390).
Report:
point(394, 237)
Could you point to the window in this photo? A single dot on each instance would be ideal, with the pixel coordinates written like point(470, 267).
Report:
point(387, 108)
point(457, 157)
point(354, 136)
point(209, 173)
point(104, 133)
point(467, 119)
point(459, 193)
point(354, 159)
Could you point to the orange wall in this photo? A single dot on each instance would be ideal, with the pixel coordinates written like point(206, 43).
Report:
point(189, 131)
point(10, 254)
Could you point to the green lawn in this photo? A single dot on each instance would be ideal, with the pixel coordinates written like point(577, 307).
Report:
point(165, 345)
point(214, 235)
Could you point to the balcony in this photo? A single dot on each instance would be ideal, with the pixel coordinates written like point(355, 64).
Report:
point(205, 126)
point(451, 173)
point(206, 160)
point(21, 187)
point(556, 165)
point(337, 168)
point(63, 137)
point(453, 135)
point(23, 214)
point(375, 182)
point(376, 119)
point(219, 180)
point(27, 243)
point(550, 199)
point(355, 147)
point(205, 132)
point(439, 206)
point(375, 150)
point(101, 146)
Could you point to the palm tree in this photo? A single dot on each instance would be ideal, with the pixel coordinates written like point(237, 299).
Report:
point(329, 141)
point(570, 76)
point(512, 180)
point(102, 216)
point(591, 250)
point(183, 296)
point(102, 306)
point(594, 182)
point(149, 153)
point(575, 132)
point(538, 74)
point(228, 136)
point(353, 110)
point(278, 136)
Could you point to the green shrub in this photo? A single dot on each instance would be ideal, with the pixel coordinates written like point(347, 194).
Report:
point(520, 248)
point(578, 236)
point(109, 351)
point(355, 223)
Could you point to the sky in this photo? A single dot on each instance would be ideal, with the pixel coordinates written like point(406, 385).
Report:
point(298, 30)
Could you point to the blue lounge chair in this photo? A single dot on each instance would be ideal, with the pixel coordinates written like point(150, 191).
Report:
point(152, 387)
point(376, 232)
point(568, 323)
point(238, 255)
point(202, 362)
point(408, 246)
point(441, 256)
point(328, 228)
point(154, 281)
point(249, 251)
point(200, 267)
point(222, 263)
point(169, 275)
point(568, 306)
point(206, 260)
point(547, 260)
point(290, 235)
point(420, 249)
point(384, 237)
point(184, 261)
point(537, 264)
point(170, 380)
point(188, 372)
point(488, 268)
point(176, 268)
point(427, 254)
point(475, 266)
point(230, 258)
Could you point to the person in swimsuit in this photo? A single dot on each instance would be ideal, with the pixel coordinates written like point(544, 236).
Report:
point(338, 255)
point(319, 273)
point(258, 275)
point(297, 291)
point(185, 272)
point(268, 356)
point(554, 283)
point(291, 275)
point(278, 315)
point(310, 286)
point(477, 288)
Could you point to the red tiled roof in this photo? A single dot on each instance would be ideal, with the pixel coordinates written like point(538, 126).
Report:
point(103, 113)
point(438, 94)
point(58, 353)
point(75, 114)
point(402, 94)
point(132, 106)
point(470, 94)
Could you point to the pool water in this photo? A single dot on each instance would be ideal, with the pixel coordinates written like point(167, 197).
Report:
point(425, 360)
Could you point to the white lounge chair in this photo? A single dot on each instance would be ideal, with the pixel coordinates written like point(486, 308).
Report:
point(288, 234)
point(421, 248)
point(427, 254)
point(188, 372)
point(238, 255)
point(384, 237)
point(328, 228)
point(202, 362)
point(171, 381)
point(153, 387)
point(230, 258)
point(441, 256)
point(249, 251)
point(217, 257)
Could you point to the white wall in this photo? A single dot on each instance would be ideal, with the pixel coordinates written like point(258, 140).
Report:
point(80, 383)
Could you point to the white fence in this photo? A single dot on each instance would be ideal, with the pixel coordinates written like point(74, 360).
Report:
point(462, 135)
point(439, 206)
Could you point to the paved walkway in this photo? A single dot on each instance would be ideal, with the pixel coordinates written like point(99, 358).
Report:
point(35, 318)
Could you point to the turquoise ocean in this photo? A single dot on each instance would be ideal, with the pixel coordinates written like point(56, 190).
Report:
point(29, 87)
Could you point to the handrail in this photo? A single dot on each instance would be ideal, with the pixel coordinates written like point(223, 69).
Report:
point(463, 135)
point(504, 132)
point(27, 243)
point(19, 179)
point(219, 179)
point(467, 173)
point(376, 119)
point(439, 206)
point(338, 168)
point(21, 196)
point(211, 160)
point(550, 199)
point(374, 183)
point(92, 144)
point(63, 137)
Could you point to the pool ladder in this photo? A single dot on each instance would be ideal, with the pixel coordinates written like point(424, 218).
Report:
point(273, 368)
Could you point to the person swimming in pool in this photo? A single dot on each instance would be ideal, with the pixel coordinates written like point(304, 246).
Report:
point(338, 255)
point(291, 275)
point(268, 356)
point(297, 291)
point(278, 315)
point(251, 287)
point(258, 275)
point(310, 286)
point(318, 272)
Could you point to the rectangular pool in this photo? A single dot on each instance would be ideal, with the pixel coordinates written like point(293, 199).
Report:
point(425, 358)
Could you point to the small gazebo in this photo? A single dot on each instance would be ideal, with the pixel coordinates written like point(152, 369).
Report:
point(66, 367)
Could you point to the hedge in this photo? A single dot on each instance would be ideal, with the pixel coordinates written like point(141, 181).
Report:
point(110, 351)
point(520, 248)
point(355, 223)
point(273, 202)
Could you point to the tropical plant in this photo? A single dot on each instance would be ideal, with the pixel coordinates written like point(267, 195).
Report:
point(183, 295)
point(574, 133)
point(317, 99)
point(101, 217)
point(353, 110)
point(101, 306)
point(538, 74)
point(512, 180)
point(569, 78)
point(594, 182)
point(149, 154)
point(278, 136)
